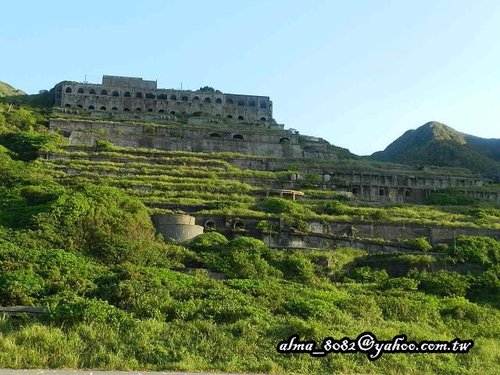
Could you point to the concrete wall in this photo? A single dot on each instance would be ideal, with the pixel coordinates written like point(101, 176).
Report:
point(178, 227)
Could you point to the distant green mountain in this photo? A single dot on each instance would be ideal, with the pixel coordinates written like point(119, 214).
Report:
point(438, 144)
point(8, 90)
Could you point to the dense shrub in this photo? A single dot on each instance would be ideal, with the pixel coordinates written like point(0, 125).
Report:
point(368, 275)
point(480, 250)
point(449, 197)
point(403, 283)
point(444, 283)
point(27, 145)
point(419, 243)
point(208, 241)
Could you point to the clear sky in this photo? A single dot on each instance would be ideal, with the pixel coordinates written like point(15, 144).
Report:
point(357, 73)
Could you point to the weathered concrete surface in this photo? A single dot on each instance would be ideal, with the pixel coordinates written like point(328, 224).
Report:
point(179, 227)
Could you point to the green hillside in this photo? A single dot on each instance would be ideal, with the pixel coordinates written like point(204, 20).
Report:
point(8, 90)
point(76, 237)
point(438, 144)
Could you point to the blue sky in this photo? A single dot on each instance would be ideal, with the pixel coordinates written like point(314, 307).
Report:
point(357, 73)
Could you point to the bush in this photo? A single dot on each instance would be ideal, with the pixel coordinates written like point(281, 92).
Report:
point(419, 243)
point(449, 197)
point(369, 275)
point(27, 145)
point(403, 283)
point(444, 283)
point(208, 241)
point(480, 250)
point(20, 287)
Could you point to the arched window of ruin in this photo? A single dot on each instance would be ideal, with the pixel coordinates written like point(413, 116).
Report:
point(68, 90)
point(229, 116)
point(67, 106)
point(252, 103)
point(92, 91)
point(240, 117)
point(407, 193)
point(173, 97)
point(355, 191)
point(114, 109)
point(80, 91)
point(127, 94)
point(263, 119)
point(161, 111)
point(381, 192)
point(217, 115)
point(284, 140)
point(214, 135)
point(103, 108)
point(229, 101)
point(138, 94)
point(91, 107)
point(126, 109)
point(263, 105)
point(241, 102)
point(184, 98)
point(104, 92)
point(210, 225)
point(138, 109)
point(162, 96)
point(115, 93)
point(238, 224)
point(238, 136)
point(150, 109)
point(218, 100)
point(207, 100)
point(196, 99)
point(150, 95)
point(172, 113)
point(79, 106)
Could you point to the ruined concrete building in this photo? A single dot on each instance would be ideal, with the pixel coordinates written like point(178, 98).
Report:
point(128, 95)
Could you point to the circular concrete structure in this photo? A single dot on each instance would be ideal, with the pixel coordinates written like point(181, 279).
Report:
point(179, 227)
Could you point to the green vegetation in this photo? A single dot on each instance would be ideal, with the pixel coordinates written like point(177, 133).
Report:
point(76, 237)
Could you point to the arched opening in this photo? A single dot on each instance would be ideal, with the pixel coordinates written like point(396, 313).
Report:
point(240, 117)
point(214, 135)
point(196, 99)
point(138, 109)
point(218, 100)
point(217, 115)
point(68, 90)
point(161, 111)
point(126, 110)
point(67, 106)
point(173, 97)
point(407, 194)
point(150, 96)
point(91, 107)
point(103, 108)
point(381, 192)
point(241, 103)
point(114, 109)
point(229, 116)
point(172, 113)
point(138, 94)
point(92, 91)
point(162, 97)
point(80, 91)
point(210, 225)
point(355, 191)
point(127, 94)
point(150, 109)
point(104, 92)
point(238, 224)
point(229, 101)
point(79, 106)
point(184, 98)
point(238, 136)
point(115, 93)
point(263, 105)
point(252, 103)
point(207, 100)
point(284, 140)
point(263, 119)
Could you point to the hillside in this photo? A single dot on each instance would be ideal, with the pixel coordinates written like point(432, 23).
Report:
point(8, 90)
point(438, 144)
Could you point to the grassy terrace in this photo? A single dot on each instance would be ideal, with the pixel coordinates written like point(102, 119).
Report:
point(211, 185)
